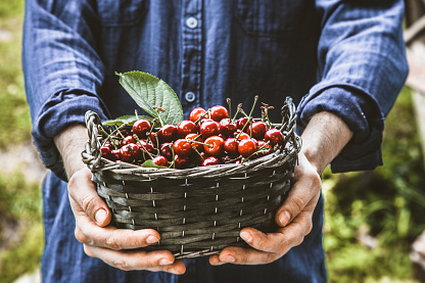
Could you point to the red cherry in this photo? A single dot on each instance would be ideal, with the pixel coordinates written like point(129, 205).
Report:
point(258, 129)
point(247, 147)
point(160, 160)
point(218, 112)
point(128, 140)
point(195, 137)
point(147, 146)
point(105, 151)
point(214, 146)
point(227, 128)
point(186, 127)
point(181, 161)
point(274, 136)
point(182, 147)
point(165, 150)
point(231, 146)
point(167, 133)
point(242, 136)
point(141, 127)
point(129, 152)
point(210, 161)
point(264, 148)
point(209, 128)
point(196, 114)
point(240, 123)
point(115, 154)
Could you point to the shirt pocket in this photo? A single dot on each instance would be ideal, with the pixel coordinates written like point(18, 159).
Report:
point(271, 18)
point(115, 13)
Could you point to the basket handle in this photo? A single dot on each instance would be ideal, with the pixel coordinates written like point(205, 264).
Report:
point(289, 116)
point(91, 155)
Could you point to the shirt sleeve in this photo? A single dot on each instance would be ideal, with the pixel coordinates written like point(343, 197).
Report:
point(62, 70)
point(362, 68)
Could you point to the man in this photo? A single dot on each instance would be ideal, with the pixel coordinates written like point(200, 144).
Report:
point(342, 61)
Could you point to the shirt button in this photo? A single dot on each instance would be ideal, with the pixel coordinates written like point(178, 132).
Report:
point(191, 22)
point(190, 96)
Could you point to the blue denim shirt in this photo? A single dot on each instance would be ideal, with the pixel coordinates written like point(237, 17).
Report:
point(342, 56)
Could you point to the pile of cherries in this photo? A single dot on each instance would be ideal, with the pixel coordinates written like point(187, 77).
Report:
point(209, 137)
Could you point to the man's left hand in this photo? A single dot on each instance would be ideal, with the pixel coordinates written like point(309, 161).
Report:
point(294, 217)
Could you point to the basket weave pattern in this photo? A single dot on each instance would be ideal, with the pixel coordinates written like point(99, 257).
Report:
point(198, 211)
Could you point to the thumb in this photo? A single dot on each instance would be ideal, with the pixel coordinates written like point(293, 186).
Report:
point(84, 199)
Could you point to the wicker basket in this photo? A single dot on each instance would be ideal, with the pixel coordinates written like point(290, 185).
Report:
point(198, 211)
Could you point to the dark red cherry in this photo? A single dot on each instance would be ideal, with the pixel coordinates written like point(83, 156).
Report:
point(160, 160)
point(214, 146)
point(210, 161)
point(165, 150)
point(247, 147)
point(274, 136)
point(258, 129)
point(167, 133)
point(231, 146)
point(182, 147)
point(241, 122)
point(218, 112)
point(141, 127)
point(227, 128)
point(181, 161)
point(129, 152)
point(128, 140)
point(186, 127)
point(195, 137)
point(209, 128)
point(197, 113)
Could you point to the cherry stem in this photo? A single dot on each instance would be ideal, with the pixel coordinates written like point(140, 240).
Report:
point(209, 145)
point(194, 148)
point(229, 104)
point(238, 110)
point(253, 106)
point(143, 147)
point(173, 163)
point(202, 116)
point(157, 110)
point(135, 113)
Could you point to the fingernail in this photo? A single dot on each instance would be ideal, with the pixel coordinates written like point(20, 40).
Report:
point(229, 258)
point(100, 216)
point(246, 236)
point(284, 218)
point(152, 239)
point(165, 261)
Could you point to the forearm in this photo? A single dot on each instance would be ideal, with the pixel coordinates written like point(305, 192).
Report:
point(70, 143)
point(323, 138)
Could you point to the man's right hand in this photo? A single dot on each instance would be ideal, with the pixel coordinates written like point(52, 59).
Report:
point(109, 243)
point(92, 216)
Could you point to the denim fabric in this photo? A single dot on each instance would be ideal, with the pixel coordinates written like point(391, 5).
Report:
point(342, 56)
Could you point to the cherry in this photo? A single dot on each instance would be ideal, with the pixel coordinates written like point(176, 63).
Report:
point(147, 146)
point(231, 146)
point(218, 112)
point(214, 146)
point(263, 146)
point(128, 140)
point(182, 147)
point(160, 160)
point(129, 152)
point(180, 161)
point(227, 128)
point(247, 147)
point(258, 129)
point(274, 136)
point(197, 113)
point(195, 137)
point(210, 161)
point(240, 123)
point(165, 150)
point(167, 133)
point(242, 136)
point(141, 127)
point(209, 128)
point(186, 127)
point(106, 151)
point(115, 154)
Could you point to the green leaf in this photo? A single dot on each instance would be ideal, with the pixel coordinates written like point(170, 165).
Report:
point(149, 91)
point(126, 119)
point(149, 163)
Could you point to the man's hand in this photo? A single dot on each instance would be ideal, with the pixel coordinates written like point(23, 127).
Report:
point(324, 137)
point(92, 217)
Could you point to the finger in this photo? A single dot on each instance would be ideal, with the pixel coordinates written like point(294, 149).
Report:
point(137, 260)
point(113, 238)
point(246, 256)
point(306, 187)
point(85, 200)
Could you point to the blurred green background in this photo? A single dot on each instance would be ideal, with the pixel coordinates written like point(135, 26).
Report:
point(371, 217)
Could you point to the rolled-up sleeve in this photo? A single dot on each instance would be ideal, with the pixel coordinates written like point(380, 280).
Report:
point(62, 70)
point(362, 68)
